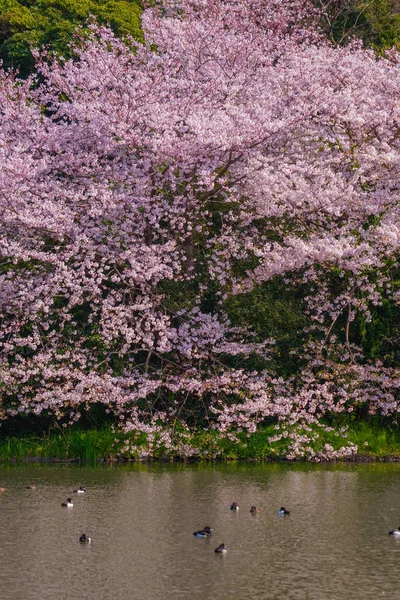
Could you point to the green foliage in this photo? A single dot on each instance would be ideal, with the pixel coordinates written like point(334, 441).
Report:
point(36, 23)
point(376, 22)
point(382, 23)
point(379, 337)
point(273, 311)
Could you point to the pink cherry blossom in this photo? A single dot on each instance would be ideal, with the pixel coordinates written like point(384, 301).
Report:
point(136, 180)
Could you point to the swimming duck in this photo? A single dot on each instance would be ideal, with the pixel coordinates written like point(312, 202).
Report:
point(283, 511)
point(221, 549)
point(84, 539)
point(254, 510)
point(81, 490)
point(395, 532)
point(68, 503)
point(31, 487)
point(234, 506)
point(205, 532)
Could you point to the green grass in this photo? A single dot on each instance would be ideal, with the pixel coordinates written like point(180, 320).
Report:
point(375, 441)
point(72, 445)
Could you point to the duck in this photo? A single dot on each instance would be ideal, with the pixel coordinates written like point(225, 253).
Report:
point(68, 503)
point(205, 532)
point(395, 532)
point(282, 511)
point(221, 549)
point(84, 539)
point(81, 490)
point(31, 487)
point(234, 506)
point(254, 510)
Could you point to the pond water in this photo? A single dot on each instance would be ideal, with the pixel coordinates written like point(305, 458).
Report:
point(334, 545)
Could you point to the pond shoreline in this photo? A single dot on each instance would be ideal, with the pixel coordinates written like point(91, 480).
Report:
point(356, 459)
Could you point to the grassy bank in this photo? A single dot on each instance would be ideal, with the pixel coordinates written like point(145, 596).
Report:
point(70, 445)
point(374, 441)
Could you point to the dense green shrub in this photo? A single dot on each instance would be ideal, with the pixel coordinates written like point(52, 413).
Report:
point(30, 23)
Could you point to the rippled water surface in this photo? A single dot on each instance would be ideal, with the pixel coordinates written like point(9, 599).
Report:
point(333, 546)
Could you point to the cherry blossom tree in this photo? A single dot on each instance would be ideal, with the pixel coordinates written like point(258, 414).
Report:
point(143, 187)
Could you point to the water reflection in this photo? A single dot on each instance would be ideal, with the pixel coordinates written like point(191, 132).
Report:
point(334, 545)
